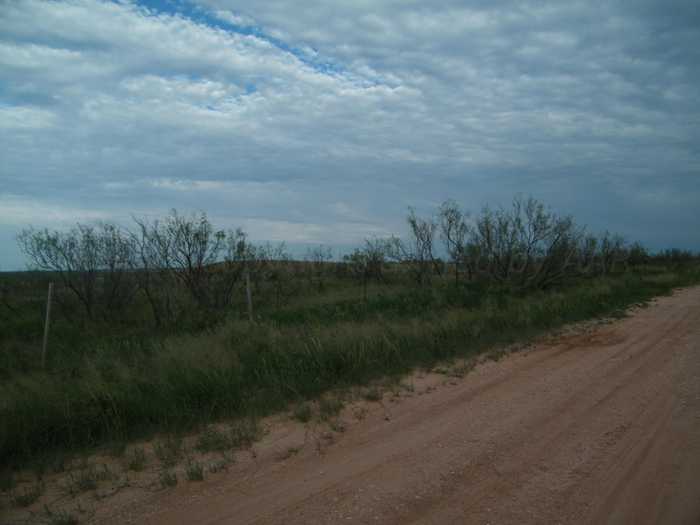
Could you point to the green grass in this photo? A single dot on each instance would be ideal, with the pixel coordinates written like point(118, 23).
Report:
point(125, 388)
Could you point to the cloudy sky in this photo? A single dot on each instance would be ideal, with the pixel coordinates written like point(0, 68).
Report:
point(318, 121)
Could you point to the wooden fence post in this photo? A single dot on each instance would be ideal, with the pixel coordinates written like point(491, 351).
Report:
point(46, 326)
point(249, 296)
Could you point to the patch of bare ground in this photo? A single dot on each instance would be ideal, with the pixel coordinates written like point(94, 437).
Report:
point(596, 423)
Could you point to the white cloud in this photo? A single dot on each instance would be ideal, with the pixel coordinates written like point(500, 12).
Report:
point(324, 115)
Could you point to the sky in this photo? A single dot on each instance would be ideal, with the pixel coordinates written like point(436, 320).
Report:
point(313, 121)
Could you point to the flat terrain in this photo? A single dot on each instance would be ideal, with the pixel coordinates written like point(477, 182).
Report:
point(598, 424)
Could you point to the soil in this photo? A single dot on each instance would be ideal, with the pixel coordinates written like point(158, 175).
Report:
point(599, 423)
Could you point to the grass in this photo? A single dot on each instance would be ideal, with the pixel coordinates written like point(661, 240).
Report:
point(221, 464)
point(60, 517)
point(169, 450)
point(136, 460)
point(28, 494)
point(213, 439)
point(194, 471)
point(303, 412)
point(129, 388)
point(372, 394)
point(167, 478)
point(329, 406)
point(87, 477)
point(244, 433)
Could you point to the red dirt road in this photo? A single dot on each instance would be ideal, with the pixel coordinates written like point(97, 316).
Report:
point(599, 425)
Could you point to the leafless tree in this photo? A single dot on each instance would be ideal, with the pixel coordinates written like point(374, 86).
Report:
point(611, 252)
point(318, 258)
point(525, 246)
point(91, 261)
point(418, 252)
point(454, 231)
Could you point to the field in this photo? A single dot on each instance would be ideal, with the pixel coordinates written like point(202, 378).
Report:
point(137, 351)
point(108, 383)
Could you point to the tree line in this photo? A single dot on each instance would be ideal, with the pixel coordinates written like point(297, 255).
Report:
point(181, 263)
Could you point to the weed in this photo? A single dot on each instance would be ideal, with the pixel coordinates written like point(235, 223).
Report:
point(303, 412)
point(59, 517)
point(213, 440)
point(221, 464)
point(291, 451)
point(244, 433)
point(169, 450)
point(372, 394)
point(87, 477)
point(167, 478)
point(336, 425)
point(194, 471)
point(497, 354)
point(136, 459)
point(359, 413)
point(329, 407)
point(462, 369)
point(28, 495)
point(83, 481)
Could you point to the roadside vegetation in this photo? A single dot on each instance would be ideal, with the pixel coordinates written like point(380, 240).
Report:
point(151, 329)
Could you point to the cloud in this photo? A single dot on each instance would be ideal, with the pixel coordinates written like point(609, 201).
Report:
point(326, 118)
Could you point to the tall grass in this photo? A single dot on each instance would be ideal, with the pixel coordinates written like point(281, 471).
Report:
point(125, 388)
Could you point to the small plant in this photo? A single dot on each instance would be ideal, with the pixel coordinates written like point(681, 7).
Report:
point(136, 460)
point(372, 394)
point(167, 479)
point(60, 517)
point(244, 433)
point(83, 481)
point(212, 440)
point(28, 495)
point(408, 387)
point(359, 413)
point(221, 464)
point(291, 451)
point(337, 425)
point(463, 369)
point(303, 413)
point(329, 407)
point(194, 471)
point(169, 450)
point(104, 473)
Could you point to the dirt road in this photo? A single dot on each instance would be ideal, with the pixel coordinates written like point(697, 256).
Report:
point(595, 426)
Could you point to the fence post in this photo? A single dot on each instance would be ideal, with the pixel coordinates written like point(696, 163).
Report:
point(249, 296)
point(46, 326)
